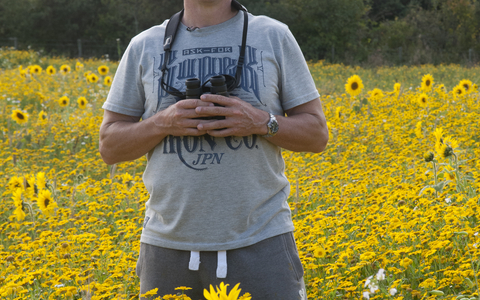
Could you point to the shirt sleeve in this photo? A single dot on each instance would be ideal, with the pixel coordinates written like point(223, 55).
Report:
point(297, 84)
point(127, 95)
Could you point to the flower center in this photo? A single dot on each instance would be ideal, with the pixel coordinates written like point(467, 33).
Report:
point(354, 86)
point(20, 116)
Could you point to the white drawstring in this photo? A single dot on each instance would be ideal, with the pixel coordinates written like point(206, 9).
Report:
point(222, 264)
point(194, 263)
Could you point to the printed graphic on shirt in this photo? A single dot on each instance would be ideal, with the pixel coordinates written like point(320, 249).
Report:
point(206, 62)
point(201, 152)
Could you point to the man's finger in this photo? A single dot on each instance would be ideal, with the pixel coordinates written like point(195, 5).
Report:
point(222, 100)
point(193, 103)
point(213, 125)
point(212, 111)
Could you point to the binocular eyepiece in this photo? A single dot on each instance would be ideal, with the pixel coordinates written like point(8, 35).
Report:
point(218, 86)
point(194, 89)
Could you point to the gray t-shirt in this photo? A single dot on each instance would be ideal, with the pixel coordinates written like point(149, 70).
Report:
point(207, 193)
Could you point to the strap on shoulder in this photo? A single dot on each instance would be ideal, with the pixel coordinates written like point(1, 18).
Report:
point(171, 30)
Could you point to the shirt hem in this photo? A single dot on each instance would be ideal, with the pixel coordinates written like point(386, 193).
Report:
point(212, 247)
point(301, 100)
point(121, 110)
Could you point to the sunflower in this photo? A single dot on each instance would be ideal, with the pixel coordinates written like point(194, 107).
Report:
point(19, 116)
point(103, 70)
point(42, 118)
point(82, 102)
point(459, 91)
point(440, 90)
point(92, 78)
point(367, 256)
point(23, 73)
point(46, 203)
point(15, 183)
point(354, 85)
point(41, 180)
point(17, 197)
point(19, 213)
point(467, 84)
point(450, 173)
point(444, 150)
point(427, 82)
point(221, 293)
point(319, 252)
point(51, 70)
point(63, 101)
point(428, 156)
point(438, 133)
point(35, 69)
point(396, 87)
point(422, 99)
point(65, 69)
point(78, 66)
point(107, 81)
point(41, 96)
point(451, 142)
point(418, 130)
point(376, 94)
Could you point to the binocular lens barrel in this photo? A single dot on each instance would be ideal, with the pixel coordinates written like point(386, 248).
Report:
point(193, 90)
point(219, 86)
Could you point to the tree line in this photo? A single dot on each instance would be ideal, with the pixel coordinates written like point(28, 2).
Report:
point(374, 32)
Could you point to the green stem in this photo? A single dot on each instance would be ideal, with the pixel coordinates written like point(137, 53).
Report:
point(460, 184)
point(31, 212)
point(435, 177)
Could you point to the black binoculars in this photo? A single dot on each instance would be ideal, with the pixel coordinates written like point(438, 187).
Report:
point(218, 86)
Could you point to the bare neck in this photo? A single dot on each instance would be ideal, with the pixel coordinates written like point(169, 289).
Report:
point(203, 13)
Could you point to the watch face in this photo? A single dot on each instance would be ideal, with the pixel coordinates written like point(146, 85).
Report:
point(272, 125)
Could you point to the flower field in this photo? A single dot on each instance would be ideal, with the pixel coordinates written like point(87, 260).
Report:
point(390, 210)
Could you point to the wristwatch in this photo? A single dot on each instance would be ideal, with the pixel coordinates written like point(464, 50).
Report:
point(272, 126)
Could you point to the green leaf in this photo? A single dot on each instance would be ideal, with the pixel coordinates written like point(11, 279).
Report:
point(469, 282)
point(436, 292)
point(439, 186)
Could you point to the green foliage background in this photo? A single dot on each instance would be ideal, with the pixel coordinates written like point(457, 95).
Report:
point(373, 32)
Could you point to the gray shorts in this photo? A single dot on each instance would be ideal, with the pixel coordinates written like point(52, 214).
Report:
point(270, 269)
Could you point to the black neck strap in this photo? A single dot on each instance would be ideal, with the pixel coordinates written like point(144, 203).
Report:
point(171, 32)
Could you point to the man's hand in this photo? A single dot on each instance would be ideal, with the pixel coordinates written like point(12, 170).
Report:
point(241, 118)
point(182, 118)
point(304, 128)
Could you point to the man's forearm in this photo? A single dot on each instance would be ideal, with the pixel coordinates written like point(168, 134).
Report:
point(125, 141)
point(124, 138)
point(301, 133)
